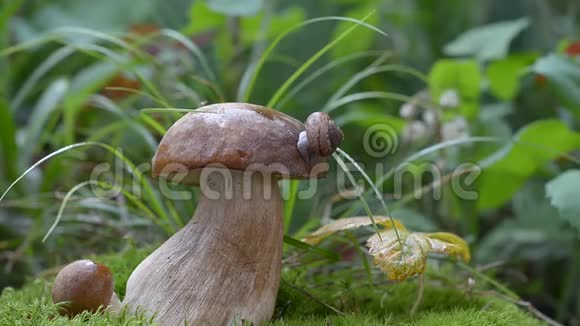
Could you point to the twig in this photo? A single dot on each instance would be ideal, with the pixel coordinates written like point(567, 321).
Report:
point(211, 86)
point(531, 309)
point(492, 265)
point(420, 291)
point(430, 187)
point(283, 310)
point(510, 296)
point(489, 280)
point(312, 297)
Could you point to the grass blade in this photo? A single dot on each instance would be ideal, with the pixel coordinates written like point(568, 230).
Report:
point(357, 190)
point(260, 63)
point(165, 110)
point(369, 72)
point(191, 46)
point(322, 70)
point(103, 185)
point(55, 58)
point(282, 89)
point(63, 205)
point(154, 200)
point(435, 148)
point(290, 203)
point(42, 160)
point(365, 96)
point(8, 141)
point(46, 106)
point(373, 187)
point(305, 246)
point(107, 104)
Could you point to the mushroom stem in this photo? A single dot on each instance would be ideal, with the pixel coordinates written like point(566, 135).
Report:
point(224, 265)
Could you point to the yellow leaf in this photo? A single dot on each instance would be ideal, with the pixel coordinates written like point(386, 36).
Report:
point(401, 260)
point(449, 244)
point(350, 223)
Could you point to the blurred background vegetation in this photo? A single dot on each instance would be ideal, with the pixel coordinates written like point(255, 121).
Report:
point(493, 83)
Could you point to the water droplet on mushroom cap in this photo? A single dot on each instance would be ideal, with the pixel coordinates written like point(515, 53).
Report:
point(85, 285)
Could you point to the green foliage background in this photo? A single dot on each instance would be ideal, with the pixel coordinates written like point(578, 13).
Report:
point(80, 72)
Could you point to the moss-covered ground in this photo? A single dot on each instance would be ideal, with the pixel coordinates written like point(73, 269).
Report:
point(385, 304)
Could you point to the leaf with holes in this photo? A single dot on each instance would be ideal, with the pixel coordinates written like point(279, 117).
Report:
point(350, 223)
point(400, 262)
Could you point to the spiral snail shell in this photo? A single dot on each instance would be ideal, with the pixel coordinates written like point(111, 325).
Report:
point(320, 139)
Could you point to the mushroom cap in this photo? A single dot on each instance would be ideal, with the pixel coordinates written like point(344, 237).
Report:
point(237, 136)
point(86, 285)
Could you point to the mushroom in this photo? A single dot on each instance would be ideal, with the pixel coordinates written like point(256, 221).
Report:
point(84, 285)
point(224, 265)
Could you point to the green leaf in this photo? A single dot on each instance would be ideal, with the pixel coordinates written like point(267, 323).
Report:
point(504, 75)
point(462, 76)
point(533, 146)
point(563, 192)
point(82, 86)
point(282, 21)
point(533, 234)
point(247, 87)
point(360, 39)
point(401, 262)
point(533, 210)
point(45, 107)
point(104, 15)
point(563, 77)
point(304, 67)
point(290, 203)
point(8, 148)
point(512, 240)
point(236, 7)
point(487, 42)
point(224, 51)
point(201, 18)
point(368, 115)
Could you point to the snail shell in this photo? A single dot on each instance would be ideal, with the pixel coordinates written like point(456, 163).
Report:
point(321, 137)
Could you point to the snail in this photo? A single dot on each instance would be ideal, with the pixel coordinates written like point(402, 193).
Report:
point(320, 139)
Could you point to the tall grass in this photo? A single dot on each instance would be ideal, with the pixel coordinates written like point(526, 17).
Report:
point(124, 56)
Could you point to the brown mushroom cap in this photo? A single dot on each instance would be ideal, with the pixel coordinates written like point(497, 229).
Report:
point(86, 286)
point(237, 136)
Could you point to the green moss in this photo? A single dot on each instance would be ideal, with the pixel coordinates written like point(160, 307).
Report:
point(380, 305)
point(391, 305)
point(32, 304)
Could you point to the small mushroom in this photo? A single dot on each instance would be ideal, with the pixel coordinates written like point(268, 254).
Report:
point(224, 265)
point(83, 285)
